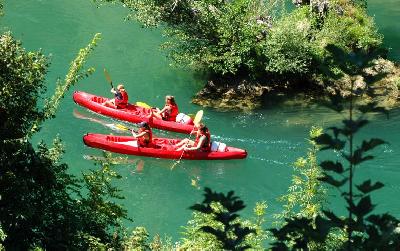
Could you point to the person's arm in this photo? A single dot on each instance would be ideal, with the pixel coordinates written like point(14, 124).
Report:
point(150, 116)
point(138, 135)
point(199, 144)
point(163, 110)
point(113, 90)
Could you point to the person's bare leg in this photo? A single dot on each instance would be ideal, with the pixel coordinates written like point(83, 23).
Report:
point(182, 142)
point(109, 103)
point(157, 115)
point(187, 143)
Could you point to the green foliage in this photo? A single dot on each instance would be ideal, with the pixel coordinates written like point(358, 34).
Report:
point(260, 40)
point(197, 239)
point(364, 230)
point(350, 29)
point(42, 205)
point(194, 238)
point(306, 194)
point(139, 240)
point(22, 77)
point(306, 198)
point(398, 83)
point(287, 49)
point(219, 222)
point(74, 74)
point(218, 36)
point(101, 195)
point(2, 238)
point(223, 39)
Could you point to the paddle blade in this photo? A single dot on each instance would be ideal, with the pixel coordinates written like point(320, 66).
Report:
point(108, 78)
point(142, 104)
point(198, 117)
point(122, 127)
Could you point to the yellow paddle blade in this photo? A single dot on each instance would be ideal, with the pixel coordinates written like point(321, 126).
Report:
point(122, 127)
point(198, 117)
point(107, 76)
point(142, 104)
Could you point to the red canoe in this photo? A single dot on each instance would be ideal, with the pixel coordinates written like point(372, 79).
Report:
point(161, 148)
point(132, 113)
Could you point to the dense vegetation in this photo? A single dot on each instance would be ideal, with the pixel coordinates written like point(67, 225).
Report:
point(43, 206)
point(260, 40)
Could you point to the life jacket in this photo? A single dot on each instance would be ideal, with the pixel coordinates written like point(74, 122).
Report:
point(206, 147)
point(172, 113)
point(121, 99)
point(145, 141)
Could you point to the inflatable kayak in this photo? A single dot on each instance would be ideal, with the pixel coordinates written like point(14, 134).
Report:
point(160, 148)
point(132, 113)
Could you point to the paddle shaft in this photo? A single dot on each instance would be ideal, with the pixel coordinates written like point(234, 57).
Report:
point(198, 117)
point(108, 77)
point(190, 135)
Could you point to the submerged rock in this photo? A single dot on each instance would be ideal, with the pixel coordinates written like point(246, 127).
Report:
point(243, 95)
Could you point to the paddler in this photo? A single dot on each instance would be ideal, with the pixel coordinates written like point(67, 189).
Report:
point(170, 110)
point(144, 135)
point(121, 98)
point(201, 143)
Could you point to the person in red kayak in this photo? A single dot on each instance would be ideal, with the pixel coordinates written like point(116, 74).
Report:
point(121, 98)
point(170, 110)
point(201, 143)
point(144, 135)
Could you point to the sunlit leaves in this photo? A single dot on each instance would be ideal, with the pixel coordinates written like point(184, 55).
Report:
point(74, 74)
point(233, 233)
point(22, 77)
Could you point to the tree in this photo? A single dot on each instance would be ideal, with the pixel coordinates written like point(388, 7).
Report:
point(226, 228)
point(41, 205)
point(306, 195)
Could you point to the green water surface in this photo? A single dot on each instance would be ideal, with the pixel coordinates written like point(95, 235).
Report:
point(156, 196)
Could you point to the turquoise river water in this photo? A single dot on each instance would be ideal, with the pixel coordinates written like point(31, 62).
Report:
point(156, 196)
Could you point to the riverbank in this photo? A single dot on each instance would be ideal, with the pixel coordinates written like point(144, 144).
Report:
point(381, 77)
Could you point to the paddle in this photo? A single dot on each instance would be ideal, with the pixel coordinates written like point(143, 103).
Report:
point(114, 127)
point(122, 127)
point(143, 104)
point(108, 78)
point(196, 121)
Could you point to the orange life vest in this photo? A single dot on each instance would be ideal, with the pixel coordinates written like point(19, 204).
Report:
point(121, 99)
point(206, 147)
point(145, 141)
point(170, 115)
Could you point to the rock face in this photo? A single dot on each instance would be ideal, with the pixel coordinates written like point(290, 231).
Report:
point(386, 76)
point(379, 82)
point(382, 78)
point(242, 95)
